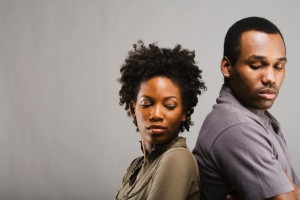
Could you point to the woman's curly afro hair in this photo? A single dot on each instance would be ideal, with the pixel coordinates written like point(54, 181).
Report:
point(144, 63)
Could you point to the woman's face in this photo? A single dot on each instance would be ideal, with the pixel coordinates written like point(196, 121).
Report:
point(158, 110)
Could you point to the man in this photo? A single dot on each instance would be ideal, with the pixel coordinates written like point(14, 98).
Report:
point(240, 145)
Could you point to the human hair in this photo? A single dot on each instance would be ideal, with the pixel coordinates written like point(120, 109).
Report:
point(232, 43)
point(144, 63)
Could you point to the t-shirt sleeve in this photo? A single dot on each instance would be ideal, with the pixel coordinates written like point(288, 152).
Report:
point(176, 178)
point(295, 178)
point(244, 155)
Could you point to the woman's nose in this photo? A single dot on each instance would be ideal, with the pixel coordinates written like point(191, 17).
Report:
point(156, 113)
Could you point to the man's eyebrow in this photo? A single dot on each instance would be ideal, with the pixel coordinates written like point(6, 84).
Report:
point(256, 57)
point(284, 59)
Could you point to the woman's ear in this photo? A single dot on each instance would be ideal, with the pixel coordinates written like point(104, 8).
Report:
point(225, 67)
point(132, 109)
point(183, 117)
point(132, 114)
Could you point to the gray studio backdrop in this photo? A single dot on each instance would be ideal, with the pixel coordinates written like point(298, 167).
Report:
point(63, 134)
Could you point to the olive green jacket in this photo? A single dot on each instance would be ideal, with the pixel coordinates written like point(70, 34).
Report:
point(169, 172)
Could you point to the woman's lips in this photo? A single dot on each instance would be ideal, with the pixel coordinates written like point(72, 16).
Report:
point(157, 129)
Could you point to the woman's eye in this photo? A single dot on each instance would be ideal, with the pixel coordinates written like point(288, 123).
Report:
point(145, 105)
point(170, 107)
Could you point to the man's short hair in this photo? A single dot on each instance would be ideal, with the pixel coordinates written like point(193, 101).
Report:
point(232, 44)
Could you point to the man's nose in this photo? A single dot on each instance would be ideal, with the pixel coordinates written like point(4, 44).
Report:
point(269, 75)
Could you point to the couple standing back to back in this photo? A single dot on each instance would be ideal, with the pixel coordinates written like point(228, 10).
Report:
point(240, 150)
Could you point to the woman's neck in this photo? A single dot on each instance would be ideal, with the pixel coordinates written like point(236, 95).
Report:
point(147, 148)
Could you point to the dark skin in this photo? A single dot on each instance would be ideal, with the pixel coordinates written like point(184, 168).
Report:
point(159, 111)
point(256, 79)
point(259, 71)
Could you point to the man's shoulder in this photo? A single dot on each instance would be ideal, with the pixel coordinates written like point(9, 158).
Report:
point(221, 119)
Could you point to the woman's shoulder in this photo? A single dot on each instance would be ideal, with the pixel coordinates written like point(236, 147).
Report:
point(180, 162)
point(179, 155)
point(134, 164)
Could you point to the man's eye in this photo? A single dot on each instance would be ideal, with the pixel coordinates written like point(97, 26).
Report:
point(279, 66)
point(255, 66)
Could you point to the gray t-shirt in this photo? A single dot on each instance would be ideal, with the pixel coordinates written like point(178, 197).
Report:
point(242, 149)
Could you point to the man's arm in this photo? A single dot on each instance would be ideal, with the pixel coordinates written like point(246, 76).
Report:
point(296, 191)
point(286, 196)
point(293, 195)
point(243, 155)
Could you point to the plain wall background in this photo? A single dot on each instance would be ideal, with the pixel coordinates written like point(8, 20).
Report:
point(63, 134)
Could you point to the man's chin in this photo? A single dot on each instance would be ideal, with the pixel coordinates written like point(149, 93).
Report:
point(265, 105)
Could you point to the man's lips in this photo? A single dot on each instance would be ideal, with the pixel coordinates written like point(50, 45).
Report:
point(157, 129)
point(268, 93)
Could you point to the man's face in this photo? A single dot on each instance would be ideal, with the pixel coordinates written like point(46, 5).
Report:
point(259, 71)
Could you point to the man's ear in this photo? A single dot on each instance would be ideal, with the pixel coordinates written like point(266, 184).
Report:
point(132, 109)
point(225, 67)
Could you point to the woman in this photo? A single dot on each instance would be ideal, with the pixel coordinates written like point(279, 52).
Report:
point(159, 90)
